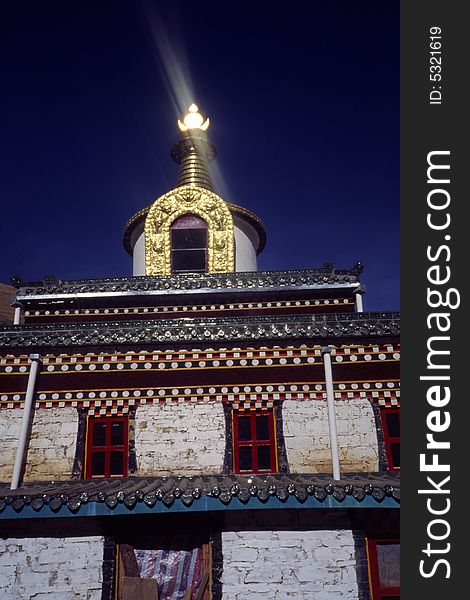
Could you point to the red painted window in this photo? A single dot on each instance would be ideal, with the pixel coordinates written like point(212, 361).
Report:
point(254, 442)
point(391, 428)
point(107, 447)
point(384, 569)
point(188, 245)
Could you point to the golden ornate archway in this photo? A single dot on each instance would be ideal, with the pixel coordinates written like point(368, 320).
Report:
point(189, 200)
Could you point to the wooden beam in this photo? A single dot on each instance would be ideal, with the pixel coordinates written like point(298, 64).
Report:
point(129, 561)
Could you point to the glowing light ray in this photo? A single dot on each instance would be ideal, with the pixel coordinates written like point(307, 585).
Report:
point(171, 59)
point(173, 64)
point(220, 184)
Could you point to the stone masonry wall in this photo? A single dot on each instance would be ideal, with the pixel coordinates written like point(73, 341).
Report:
point(10, 423)
point(180, 439)
point(52, 443)
point(51, 568)
point(307, 442)
point(287, 565)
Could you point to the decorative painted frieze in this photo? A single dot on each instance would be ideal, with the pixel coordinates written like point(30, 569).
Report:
point(203, 359)
point(179, 310)
point(118, 401)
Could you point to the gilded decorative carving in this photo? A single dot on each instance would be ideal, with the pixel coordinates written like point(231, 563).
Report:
point(235, 211)
point(181, 201)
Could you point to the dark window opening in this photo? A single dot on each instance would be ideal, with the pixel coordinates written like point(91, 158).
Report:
point(107, 447)
point(188, 245)
point(391, 429)
point(384, 569)
point(254, 442)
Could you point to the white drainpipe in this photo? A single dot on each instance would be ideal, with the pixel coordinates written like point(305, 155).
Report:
point(28, 404)
point(17, 315)
point(326, 352)
point(359, 305)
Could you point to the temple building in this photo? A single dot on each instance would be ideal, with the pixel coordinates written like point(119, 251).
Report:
point(200, 429)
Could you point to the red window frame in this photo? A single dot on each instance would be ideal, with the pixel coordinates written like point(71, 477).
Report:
point(389, 439)
point(378, 591)
point(253, 442)
point(107, 448)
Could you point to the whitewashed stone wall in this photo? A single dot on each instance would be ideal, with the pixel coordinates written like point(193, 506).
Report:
point(246, 242)
point(307, 439)
point(51, 568)
point(283, 565)
point(180, 439)
point(10, 423)
point(52, 443)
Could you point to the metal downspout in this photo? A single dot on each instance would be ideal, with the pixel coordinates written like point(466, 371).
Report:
point(28, 404)
point(326, 352)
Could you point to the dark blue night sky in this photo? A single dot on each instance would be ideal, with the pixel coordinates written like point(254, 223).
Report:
point(304, 106)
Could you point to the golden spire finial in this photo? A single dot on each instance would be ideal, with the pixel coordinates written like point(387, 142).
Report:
point(193, 120)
